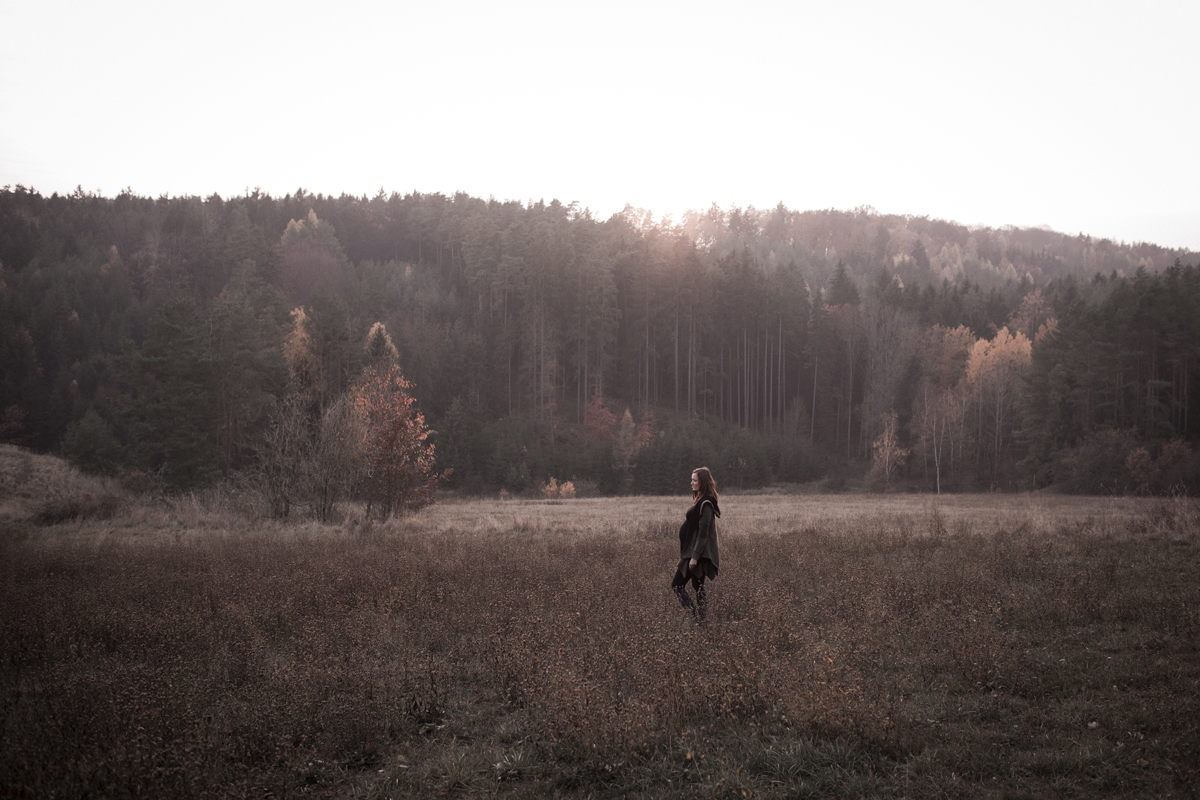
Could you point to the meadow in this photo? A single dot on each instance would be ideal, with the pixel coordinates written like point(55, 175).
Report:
point(1018, 646)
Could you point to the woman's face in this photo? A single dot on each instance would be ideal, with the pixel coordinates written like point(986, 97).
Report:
point(695, 482)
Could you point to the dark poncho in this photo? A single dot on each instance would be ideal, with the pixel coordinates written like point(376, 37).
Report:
point(698, 539)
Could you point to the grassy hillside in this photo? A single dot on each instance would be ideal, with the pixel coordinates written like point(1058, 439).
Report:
point(34, 486)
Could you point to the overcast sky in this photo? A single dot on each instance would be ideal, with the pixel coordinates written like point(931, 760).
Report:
point(1082, 116)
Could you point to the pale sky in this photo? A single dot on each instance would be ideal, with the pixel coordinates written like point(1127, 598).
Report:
point(1082, 116)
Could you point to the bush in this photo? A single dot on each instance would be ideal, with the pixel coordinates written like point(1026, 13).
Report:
point(1097, 465)
point(740, 459)
point(553, 490)
point(90, 445)
point(1172, 471)
point(78, 507)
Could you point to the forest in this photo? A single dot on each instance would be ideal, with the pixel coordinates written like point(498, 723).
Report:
point(174, 341)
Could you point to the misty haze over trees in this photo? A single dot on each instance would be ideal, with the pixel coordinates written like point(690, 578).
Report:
point(171, 339)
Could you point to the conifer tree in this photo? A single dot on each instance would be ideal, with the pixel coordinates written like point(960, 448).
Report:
point(399, 464)
point(174, 409)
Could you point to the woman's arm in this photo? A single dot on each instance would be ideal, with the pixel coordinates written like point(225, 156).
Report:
point(700, 542)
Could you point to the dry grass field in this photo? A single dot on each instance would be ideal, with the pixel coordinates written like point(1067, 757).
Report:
point(857, 646)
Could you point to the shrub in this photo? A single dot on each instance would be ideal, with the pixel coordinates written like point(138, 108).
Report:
point(89, 444)
point(552, 489)
point(1097, 465)
point(78, 507)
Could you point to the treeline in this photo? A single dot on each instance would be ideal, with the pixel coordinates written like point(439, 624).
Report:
point(164, 336)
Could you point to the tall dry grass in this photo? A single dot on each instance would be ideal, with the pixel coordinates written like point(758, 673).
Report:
point(967, 646)
point(48, 490)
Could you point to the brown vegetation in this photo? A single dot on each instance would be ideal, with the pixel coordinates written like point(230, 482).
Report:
point(976, 646)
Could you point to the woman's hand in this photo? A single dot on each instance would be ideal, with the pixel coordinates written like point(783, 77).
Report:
point(692, 563)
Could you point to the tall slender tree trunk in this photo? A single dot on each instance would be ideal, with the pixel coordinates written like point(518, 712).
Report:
point(677, 361)
point(1186, 371)
point(768, 375)
point(781, 369)
point(646, 389)
point(849, 408)
point(654, 370)
point(691, 367)
point(754, 383)
point(581, 394)
point(745, 378)
point(812, 412)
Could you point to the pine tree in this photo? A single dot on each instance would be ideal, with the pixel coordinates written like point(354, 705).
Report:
point(175, 409)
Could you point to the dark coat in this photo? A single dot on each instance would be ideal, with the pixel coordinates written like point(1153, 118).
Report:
point(698, 539)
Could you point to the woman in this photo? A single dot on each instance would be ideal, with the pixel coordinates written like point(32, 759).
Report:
point(699, 558)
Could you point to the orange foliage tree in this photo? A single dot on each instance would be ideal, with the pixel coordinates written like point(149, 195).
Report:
point(599, 418)
point(995, 370)
point(398, 468)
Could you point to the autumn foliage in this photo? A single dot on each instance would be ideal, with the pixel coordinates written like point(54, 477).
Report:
point(599, 418)
point(151, 337)
point(398, 458)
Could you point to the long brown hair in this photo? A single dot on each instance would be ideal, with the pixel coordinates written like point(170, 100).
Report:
point(707, 484)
